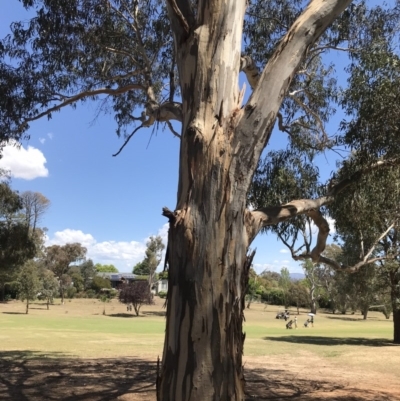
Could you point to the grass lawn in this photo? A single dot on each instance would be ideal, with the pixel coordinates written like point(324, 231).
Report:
point(79, 329)
point(73, 351)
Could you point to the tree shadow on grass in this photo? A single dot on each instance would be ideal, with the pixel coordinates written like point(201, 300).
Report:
point(126, 315)
point(14, 313)
point(319, 340)
point(281, 385)
point(32, 376)
point(350, 318)
point(154, 313)
point(28, 376)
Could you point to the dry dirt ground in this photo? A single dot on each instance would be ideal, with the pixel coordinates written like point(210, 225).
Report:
point(38, 379)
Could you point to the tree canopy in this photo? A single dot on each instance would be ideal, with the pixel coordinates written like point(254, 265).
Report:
point(105, 268)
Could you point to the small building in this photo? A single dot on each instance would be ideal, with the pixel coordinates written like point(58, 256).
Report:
point(160, 286)
point(117, 279)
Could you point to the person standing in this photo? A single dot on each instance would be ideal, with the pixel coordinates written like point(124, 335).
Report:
point(295, 322)
point(312, 321)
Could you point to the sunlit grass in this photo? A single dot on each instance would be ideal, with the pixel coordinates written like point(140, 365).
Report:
point(79, 329)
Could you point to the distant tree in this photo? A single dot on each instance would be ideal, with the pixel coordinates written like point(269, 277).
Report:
point(98, 283)
point(34, 206)
point(65, 284)
point(88, 271)
point(59, 258)
point(271, 279)
point(151, 260)
point(310, 271)
point(252, 287)
point(77, 278)
point(163, 275)
point(49, 285)
point(141, 269)
point(16, 243)
point(105, 268)
point(284, 284)
point(28, 283)
point(105, 299)
point(136, 293)
point(299, 294)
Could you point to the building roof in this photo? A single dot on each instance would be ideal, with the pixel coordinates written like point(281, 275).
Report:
point(118, 276)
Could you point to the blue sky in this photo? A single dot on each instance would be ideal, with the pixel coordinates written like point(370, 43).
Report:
point(109, 204)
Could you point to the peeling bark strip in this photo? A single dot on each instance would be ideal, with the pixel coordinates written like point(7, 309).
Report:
point(210, 230)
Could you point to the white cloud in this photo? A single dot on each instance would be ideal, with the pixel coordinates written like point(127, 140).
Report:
point(50, 135)
point(276, 267)
point(331, 223)
point(284, 251)
point(27, 164)
point(42, 140)
point(123, 254)
point(163, 233)
point(69, 236)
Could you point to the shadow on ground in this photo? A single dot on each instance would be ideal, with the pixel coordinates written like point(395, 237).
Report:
point(318, 340)
point(29, 376)
point(349, 318)
point(127, 315)
point(14, 313)
point(154, 313)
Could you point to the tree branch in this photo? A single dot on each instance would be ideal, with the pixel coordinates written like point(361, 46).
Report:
point(248, 66)
point(182, 18)
point(272, 215)
point(178, 14)
point(163, 112)
point(171, 128)
point(82, 95)
point(259, 115)
point(128, 139)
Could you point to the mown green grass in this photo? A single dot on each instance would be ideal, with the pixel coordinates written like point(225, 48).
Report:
point(79, 329)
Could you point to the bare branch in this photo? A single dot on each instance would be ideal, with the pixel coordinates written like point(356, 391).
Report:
point(282, 127)
point(123, 53)
point(330, 47)
point(128, 139)
point(171, 128)
point(323, 232)
point(179, 15)
point(82, 95)
point(272, 215)
point(182, 18)
point(163, 112)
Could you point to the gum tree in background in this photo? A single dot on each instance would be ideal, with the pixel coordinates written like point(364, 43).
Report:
point(156, 62)
point(28, 283)
point(105, 268)
point(49, 285)
point(59, 258)
point(152, 259)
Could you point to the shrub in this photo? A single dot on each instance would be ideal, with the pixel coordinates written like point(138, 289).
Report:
point(98, 283)
point(91, 294)
point(136, 293)
point(162, 294)
point(71, 291)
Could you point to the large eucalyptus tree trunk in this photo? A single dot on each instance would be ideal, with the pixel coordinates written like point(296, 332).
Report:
point(210, 229)
point(395, 297)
